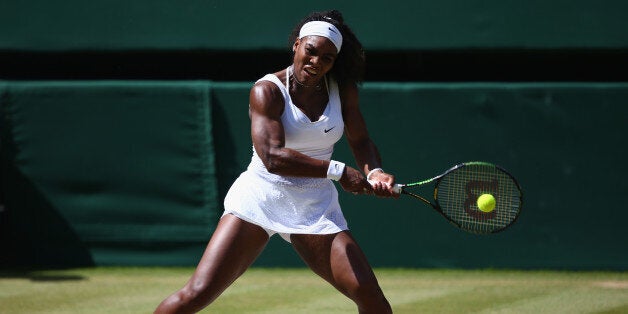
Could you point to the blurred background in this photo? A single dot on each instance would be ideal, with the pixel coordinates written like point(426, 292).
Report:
point(123, 124)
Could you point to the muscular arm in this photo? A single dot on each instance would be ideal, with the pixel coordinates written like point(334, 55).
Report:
point(364, 150)
point(362, 146)
point(266, 106)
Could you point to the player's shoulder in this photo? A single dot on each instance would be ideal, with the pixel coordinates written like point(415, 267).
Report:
point(265, 92)
point(267, 87)
point(346, 87)
point(349, 94)
point(266, 95)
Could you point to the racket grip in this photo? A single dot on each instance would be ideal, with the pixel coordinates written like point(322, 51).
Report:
point(396, 188)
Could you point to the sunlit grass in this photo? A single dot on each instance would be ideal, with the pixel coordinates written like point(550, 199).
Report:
point(139, 290)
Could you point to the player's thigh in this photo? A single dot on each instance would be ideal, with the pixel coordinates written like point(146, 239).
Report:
point(336, 258)
point(231, 250)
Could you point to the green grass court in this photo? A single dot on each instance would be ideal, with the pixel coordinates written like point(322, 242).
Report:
point(260, 290)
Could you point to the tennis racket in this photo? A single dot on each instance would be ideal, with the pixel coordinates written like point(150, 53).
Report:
point(456, 192)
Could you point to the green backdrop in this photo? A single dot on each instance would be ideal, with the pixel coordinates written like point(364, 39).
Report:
point(117, 25)
point(562, 141)
point(107, 172)
point(131, 172)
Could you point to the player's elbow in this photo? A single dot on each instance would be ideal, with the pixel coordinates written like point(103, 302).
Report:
point(273, 166)
point(274, 162)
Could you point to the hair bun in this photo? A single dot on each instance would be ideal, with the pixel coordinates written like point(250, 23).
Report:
point(334, 15)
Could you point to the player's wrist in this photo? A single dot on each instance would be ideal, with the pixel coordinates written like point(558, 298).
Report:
point(335, 170)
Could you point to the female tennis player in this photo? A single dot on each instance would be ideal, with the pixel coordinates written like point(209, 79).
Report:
point(297, 115)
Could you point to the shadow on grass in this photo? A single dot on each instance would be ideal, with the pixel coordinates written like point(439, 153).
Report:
point(40, 275)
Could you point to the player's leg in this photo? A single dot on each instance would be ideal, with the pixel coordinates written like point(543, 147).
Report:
point(231, 250)
point(338, 259)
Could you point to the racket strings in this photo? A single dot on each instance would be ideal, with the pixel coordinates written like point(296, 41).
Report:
point(458, 190)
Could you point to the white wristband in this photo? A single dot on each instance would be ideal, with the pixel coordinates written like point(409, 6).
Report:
point(335, 170)
point(368, 176)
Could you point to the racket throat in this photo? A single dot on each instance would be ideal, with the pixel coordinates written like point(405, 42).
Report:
point(423, 199)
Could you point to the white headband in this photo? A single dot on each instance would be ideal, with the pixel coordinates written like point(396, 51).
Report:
point(320, 28)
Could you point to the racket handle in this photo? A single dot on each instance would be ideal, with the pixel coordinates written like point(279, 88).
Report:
point(396, 188)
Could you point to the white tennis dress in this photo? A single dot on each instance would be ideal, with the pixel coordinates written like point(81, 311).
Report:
point(293, 205)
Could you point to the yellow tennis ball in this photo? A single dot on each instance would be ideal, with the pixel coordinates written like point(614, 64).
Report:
point(486, 203)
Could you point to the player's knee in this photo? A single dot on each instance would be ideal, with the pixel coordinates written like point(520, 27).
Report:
point(368, 295)
point(196, 294)
point(366, 289)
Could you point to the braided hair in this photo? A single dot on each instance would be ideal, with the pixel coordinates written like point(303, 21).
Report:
point(350, 63)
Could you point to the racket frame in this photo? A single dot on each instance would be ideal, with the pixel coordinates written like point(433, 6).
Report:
point(402, 189)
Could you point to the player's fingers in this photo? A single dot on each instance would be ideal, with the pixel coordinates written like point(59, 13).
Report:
point(380, 189)
point(383, 189)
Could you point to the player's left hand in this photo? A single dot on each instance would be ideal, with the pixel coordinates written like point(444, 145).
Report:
point(382, 184)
